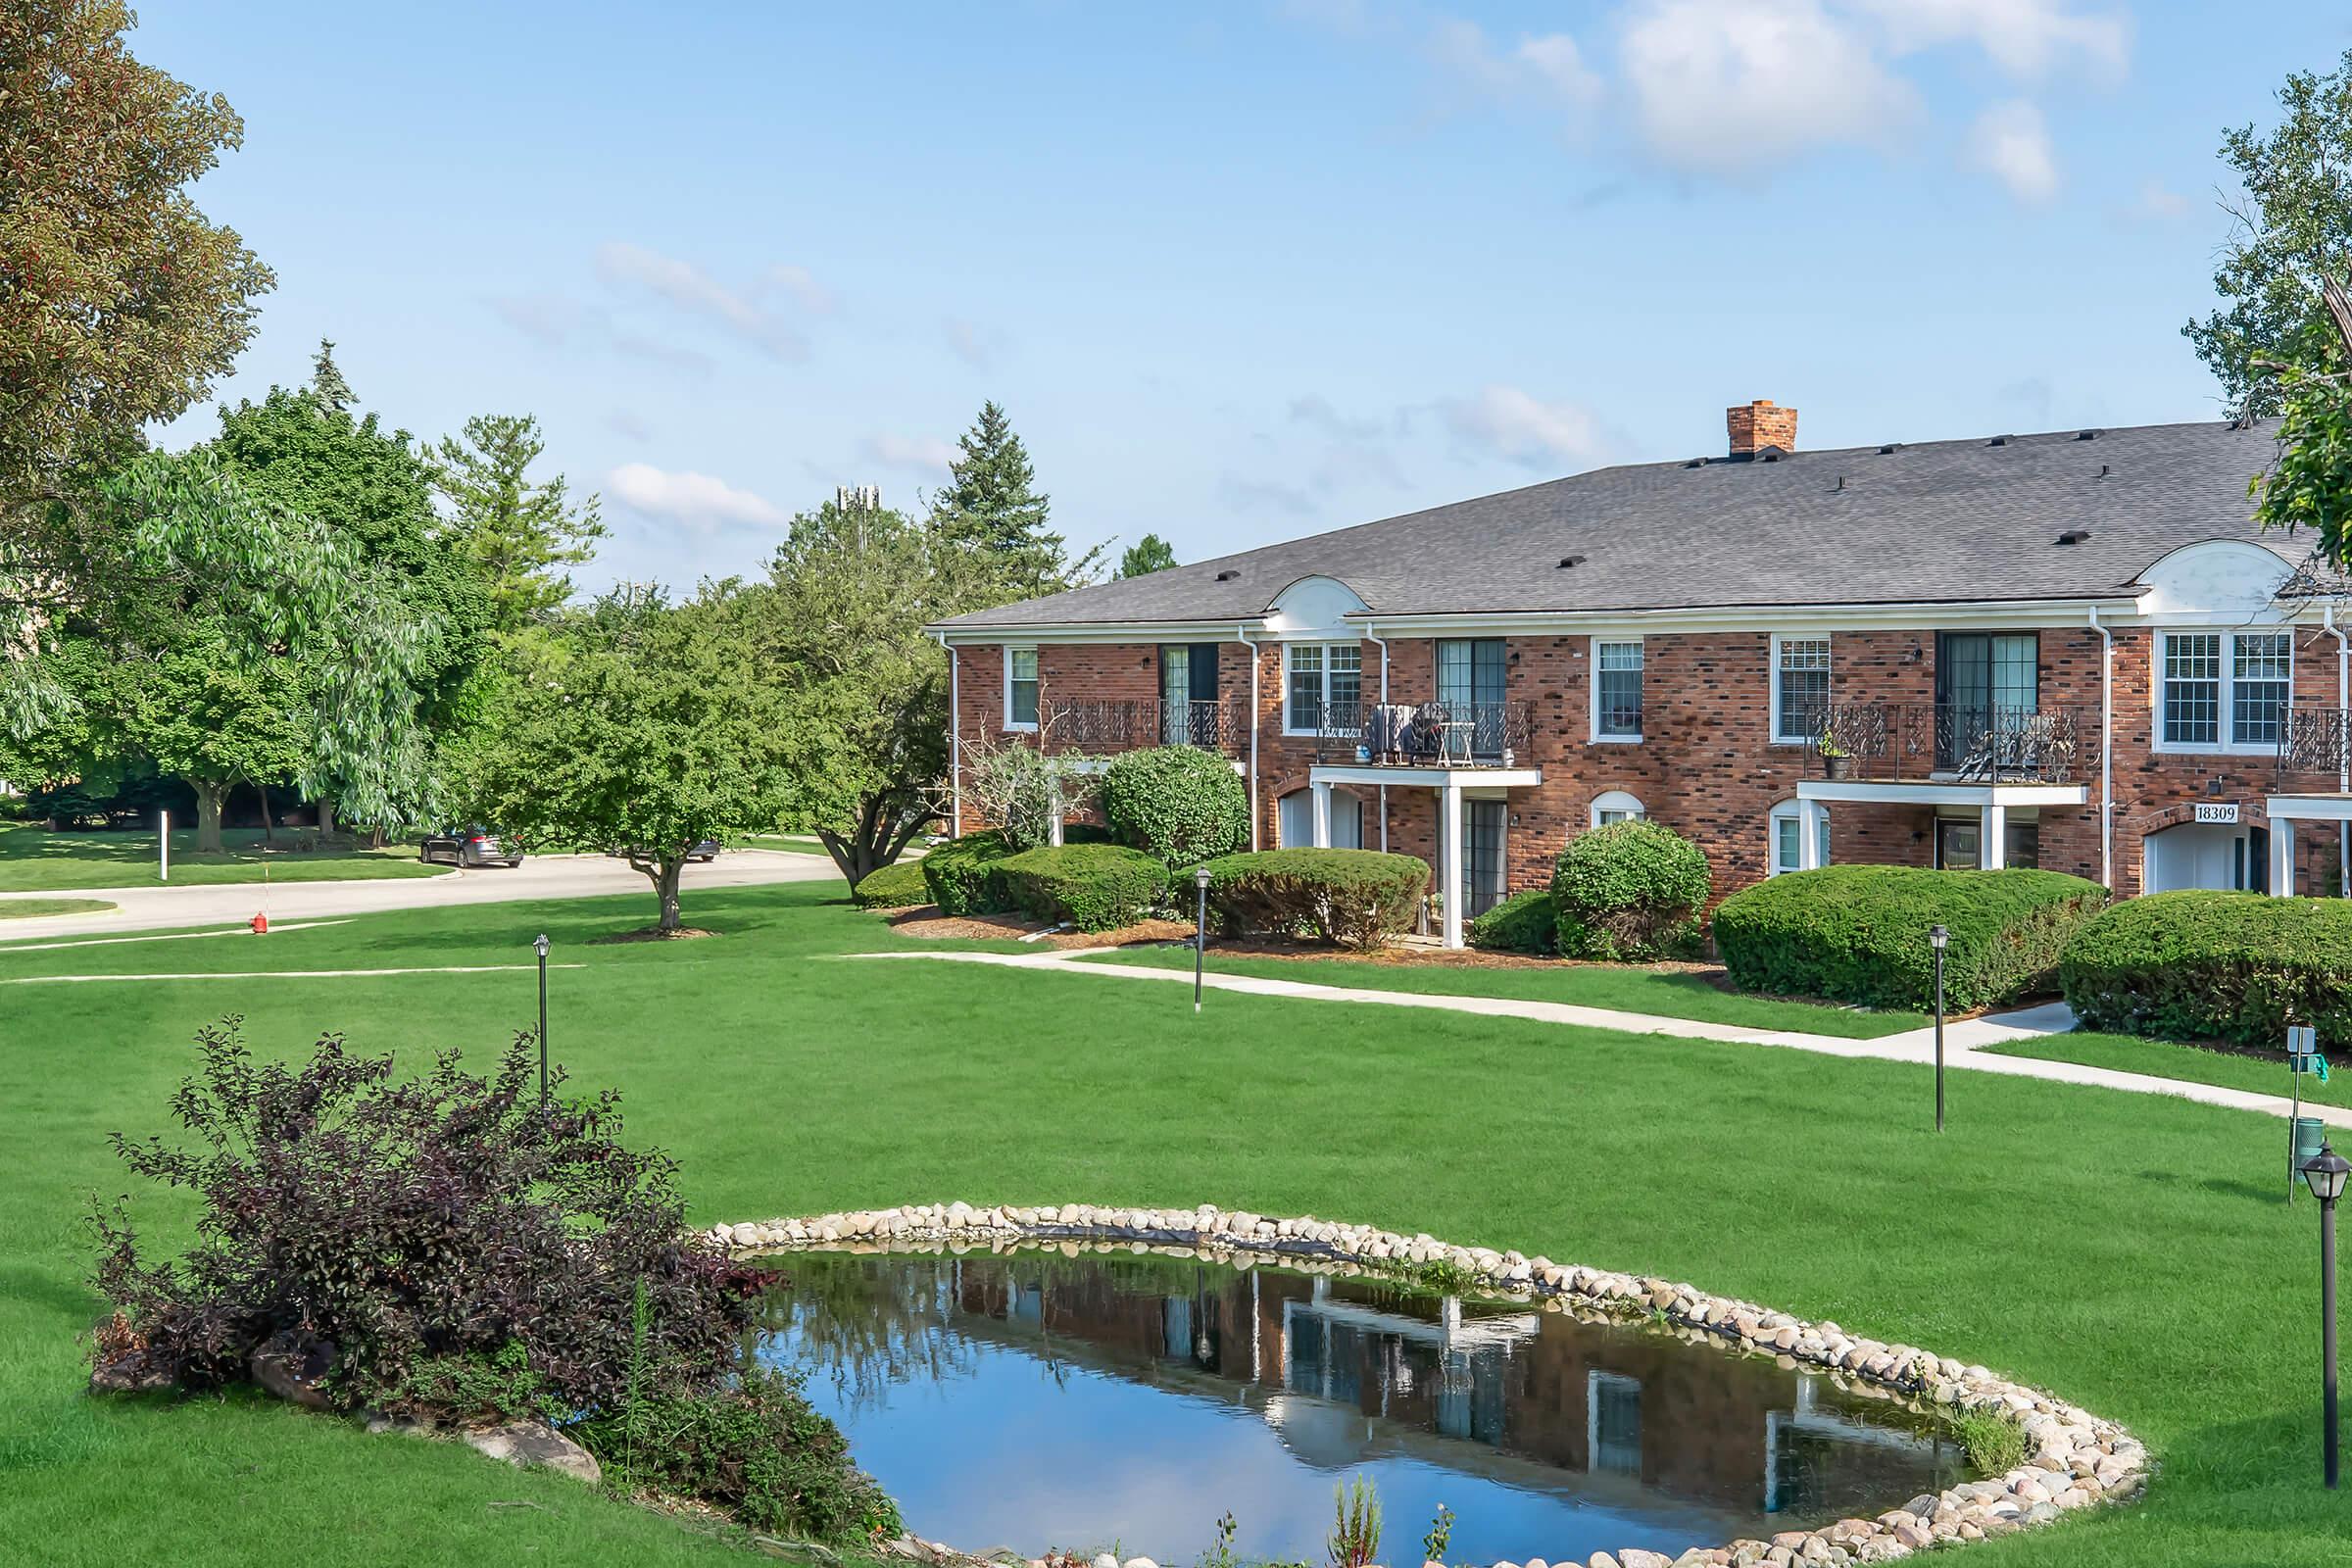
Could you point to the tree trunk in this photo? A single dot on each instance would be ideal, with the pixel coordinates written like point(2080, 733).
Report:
point(327, 818)
point(268, 836)
point(665, 885)
point(208, 816)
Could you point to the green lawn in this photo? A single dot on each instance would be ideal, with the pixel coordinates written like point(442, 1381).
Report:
point(790, 843)
point(2129, 1252)
point(33, 860)
point(2163, 1058)
point(1669, 993)
point(27, 908)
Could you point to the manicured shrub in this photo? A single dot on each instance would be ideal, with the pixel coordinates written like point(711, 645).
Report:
point(1180, 803)
point(957, 873)
point(2205, 965)
point(1095, 887)
point(1859, 933)
point(1630, 890)
point(893, 887)
point(1355, 898)
point(1523, 922)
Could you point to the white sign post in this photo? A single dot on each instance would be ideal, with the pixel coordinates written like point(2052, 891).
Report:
point(162, 844)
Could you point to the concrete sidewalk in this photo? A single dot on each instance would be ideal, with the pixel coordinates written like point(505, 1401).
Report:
point(1962, 1041)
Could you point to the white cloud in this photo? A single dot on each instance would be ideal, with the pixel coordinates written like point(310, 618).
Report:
point(1255, 495)
point(2024, 38)
point(628, 423)
point(1556, 59)
point(2157, 201)
point(923, 453)
point(551, 319)
point(1549, 71)
point(802, 286)
point(694, 499)
point(2010, 142)
point(1512, 423)
point(691, 289)
point(1735, 86)
point(970, 343)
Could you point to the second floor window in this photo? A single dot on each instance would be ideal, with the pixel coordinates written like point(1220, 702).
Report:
point(1020, 688)
point(2223, 691)
point(1617, 691)
point(1326, 684)
point(1800, 688)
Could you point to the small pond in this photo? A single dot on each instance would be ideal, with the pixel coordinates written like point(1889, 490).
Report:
point(1037, 1401)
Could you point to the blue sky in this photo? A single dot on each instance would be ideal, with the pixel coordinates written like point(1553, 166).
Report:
point(1239, 271)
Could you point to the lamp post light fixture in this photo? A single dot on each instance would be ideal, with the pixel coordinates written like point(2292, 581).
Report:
point(1200, 929)
point(540, 947)
point(2324, 1173)
point(1939, 938)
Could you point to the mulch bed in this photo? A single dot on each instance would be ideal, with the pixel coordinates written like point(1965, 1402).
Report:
point(651, 933)
point(924, 920)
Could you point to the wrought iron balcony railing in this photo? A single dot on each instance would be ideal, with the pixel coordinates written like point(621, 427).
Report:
point(1425, 734)
point(2315, 741)
point(1958, 742)
point(1124, 724)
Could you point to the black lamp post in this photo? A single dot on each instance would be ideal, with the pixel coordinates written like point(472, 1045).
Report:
point(1200, 930)
point(540, 947)
point(2324, 1174)
point(1939, 938)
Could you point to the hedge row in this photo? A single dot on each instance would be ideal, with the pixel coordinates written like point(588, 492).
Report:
point(1355, 898)
point(1630, 890)
point(2203, 966)
point(956, 872)
point(893, 887)
point(1183, 803)
point(1095, 887)
point(1523, 922)
point(1859, 933)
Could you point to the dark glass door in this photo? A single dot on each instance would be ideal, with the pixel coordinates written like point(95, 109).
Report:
point(1187, 680)
point(1986, 684)
point(1470, 683)
point(1482, 855)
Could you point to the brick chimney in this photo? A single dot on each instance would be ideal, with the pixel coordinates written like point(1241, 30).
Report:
point(1758, 425)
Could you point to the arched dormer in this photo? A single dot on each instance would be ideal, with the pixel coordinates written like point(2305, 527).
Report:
point(1314, 607)
point(2222, 581)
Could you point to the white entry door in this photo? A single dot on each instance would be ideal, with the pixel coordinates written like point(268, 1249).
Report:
point(2209, 855)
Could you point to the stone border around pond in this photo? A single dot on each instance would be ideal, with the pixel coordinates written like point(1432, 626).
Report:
point(2073, 1459)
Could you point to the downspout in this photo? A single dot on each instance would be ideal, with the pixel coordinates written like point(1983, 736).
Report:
point(2343, 751)
point(1243, 633)
point(955, 740)
point(2106, 750)
point(1384, 701)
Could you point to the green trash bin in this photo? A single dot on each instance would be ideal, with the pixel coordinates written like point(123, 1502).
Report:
point(2309, 1134)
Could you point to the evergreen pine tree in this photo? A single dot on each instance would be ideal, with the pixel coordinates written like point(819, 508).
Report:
point(992, 507)
point(327, 386)
point(1146, 556)
point(518, 531)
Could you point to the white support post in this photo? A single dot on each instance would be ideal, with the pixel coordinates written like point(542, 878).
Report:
point(162, 844)
point(1808, 833)
point(1322, 802)
point(1450, 858)
point(2282, 857)
point(1992, 835)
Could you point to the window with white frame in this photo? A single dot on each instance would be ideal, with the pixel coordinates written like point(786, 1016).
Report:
point(1324, 683)
point(2223, 691)
point(1616, 805)
point(1616, 690)
point(1800, 688)
point(1788, 840)
point(1020, 688)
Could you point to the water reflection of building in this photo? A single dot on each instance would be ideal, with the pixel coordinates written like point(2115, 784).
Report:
point(1347, 1369)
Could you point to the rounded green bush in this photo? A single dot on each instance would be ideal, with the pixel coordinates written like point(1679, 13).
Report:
point(1859, 933)
point(2206, 965)
point(893, 887)
point(1523, 922)
point(1095, 887)
point(956, 872)
point(1630, 890)
point(1355, 898)
point(1180, 803)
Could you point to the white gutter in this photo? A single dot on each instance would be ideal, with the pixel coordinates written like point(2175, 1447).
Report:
point(954, 739)
point(1241, 633)
point(2343, 754)
point(1375, 636)
point(2106, 751)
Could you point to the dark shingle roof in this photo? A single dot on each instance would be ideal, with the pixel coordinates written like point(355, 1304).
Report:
point(1936, 521)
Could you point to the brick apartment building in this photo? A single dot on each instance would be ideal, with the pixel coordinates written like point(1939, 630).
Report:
point(2072, 650)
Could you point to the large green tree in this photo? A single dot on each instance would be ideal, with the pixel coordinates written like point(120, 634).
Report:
point(640, 725)
point(522, 532)
point(215, 720)
point(1146, 556)
point(2291, 230)
point(992, 508)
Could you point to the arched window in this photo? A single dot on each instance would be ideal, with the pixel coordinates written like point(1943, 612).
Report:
point(1785, 847)
point(1616, 805)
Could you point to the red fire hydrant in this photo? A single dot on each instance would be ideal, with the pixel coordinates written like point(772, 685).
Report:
point(261, 925)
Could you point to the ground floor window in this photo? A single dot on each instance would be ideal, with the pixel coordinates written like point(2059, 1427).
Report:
point(1297, 821)
point(1960, 844)
point(1616, 805)
point(1483, 864)
point(1787, 838)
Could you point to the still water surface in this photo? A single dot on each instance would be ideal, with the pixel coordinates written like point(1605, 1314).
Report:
point(1040, 1401)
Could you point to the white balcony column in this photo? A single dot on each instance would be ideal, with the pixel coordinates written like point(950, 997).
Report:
point(1322, 834)
point(1450, 858)
point(2282, 857)
point(1992, 835)
point(1809, 816)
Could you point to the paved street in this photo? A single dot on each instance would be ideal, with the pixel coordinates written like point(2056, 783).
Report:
point(548, 876)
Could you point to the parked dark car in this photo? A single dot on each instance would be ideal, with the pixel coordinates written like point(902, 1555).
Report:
point(468, 846)
point(707, 850)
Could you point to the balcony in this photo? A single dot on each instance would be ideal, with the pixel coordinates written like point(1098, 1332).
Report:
point(1423, 735)
point(1953, 743)
point(2315, 745)
point(1111, 725)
